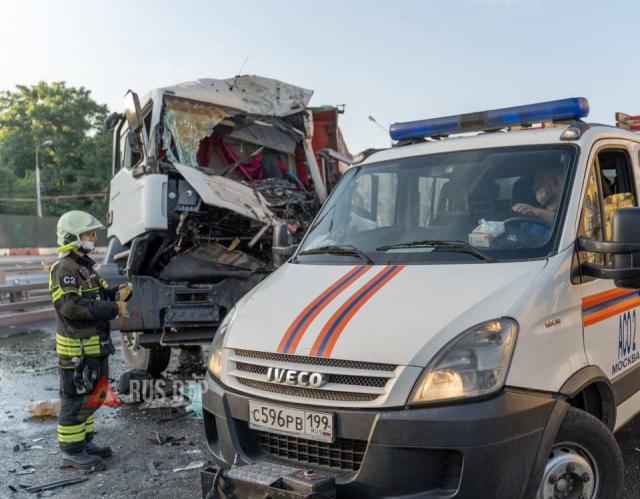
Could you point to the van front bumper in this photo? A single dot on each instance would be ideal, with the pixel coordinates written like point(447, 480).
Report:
point(490, 448)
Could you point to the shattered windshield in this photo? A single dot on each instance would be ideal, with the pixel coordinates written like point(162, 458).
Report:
point(185, 124)
point(224, 142)
point(479, 206)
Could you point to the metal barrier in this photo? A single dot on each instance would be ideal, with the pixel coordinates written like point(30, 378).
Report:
point(25, 302)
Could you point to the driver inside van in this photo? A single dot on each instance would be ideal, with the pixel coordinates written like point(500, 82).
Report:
point(547, 187)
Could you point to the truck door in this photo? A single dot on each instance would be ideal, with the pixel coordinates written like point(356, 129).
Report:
point(609, 314)
point(137, 202)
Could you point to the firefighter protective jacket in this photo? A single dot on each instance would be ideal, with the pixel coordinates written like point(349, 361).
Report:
point(84, 305)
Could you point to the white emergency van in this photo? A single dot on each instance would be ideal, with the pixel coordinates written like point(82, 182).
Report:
point(459, 320)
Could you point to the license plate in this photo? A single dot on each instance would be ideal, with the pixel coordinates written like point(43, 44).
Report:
point(287, 421)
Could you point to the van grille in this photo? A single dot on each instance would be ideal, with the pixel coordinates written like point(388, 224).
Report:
point(310, 393)
point(343, 454)
point(346, 381)
point(333, 378)
point(316, 361)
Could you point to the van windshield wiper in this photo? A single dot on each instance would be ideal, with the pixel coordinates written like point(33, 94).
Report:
point(440, 245)
point(338, 249)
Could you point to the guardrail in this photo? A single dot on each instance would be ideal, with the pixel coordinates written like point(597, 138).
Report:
point(25, 302)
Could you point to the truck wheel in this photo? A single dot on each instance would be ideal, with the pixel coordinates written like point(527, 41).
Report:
point(154, 360)
point(585, 461)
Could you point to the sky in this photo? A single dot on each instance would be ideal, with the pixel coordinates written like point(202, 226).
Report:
point(395, 60)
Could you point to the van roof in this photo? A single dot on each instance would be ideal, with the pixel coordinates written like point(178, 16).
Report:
point(532, 136)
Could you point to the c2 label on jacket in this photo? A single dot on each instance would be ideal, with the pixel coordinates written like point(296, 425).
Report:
point(287, 421)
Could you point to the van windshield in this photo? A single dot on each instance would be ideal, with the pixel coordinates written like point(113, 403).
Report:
point(478, 206)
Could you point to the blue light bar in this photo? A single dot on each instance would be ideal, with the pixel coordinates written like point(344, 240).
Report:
point(575, 107)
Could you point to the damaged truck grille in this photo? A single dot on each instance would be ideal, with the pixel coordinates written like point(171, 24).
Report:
point(343, 454)
point(345, 381)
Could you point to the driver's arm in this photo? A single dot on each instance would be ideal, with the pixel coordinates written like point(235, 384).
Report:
point(531, 211)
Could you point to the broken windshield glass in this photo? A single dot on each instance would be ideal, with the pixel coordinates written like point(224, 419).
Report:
point(185, 124)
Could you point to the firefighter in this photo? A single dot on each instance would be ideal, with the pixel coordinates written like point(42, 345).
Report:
point(84, 305)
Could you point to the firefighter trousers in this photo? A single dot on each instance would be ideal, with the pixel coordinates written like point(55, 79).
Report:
point(76, 421)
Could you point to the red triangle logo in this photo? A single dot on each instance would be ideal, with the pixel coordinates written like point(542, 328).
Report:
point(103, 394)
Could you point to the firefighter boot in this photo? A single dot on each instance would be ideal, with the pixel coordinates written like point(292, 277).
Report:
point(96, 450)
point(82, 461)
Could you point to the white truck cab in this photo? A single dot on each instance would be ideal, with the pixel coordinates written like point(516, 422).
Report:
point(459, 320)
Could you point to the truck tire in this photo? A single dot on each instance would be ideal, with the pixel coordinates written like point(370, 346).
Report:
point(153, 359)
point(585, 461)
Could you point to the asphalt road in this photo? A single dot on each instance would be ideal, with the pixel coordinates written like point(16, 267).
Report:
point(27, 373)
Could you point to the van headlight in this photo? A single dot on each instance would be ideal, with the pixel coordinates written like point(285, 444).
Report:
point(475, 363)
point(217, 346)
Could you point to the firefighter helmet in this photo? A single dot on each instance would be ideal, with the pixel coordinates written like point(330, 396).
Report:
point(71, 225)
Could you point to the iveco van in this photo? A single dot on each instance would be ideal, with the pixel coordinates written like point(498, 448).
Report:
point(459, 320)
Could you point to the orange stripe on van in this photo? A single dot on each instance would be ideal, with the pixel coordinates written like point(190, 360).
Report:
point(334, 327)
point(608, 312)
point(301, 323)
point(598, 298)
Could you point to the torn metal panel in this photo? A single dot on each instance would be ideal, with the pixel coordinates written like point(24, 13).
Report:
point(186, 123)
point(222, 192)
point(265, 135)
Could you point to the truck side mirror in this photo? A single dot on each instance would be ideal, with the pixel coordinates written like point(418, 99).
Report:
point(133, 112)
point(624, 249)
point(282, 248)
point(111, 121)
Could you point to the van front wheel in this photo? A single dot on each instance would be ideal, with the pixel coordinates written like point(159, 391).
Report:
point(585, 461)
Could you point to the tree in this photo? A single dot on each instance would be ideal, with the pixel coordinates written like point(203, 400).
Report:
point(78, 164)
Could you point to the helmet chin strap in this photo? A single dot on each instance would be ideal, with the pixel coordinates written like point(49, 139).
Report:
point(68, 247)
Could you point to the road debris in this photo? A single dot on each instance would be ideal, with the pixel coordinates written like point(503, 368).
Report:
point(191, 466)
point(55, 485)
point(194, 394)
point(27, 469)
point(158, 440)
point(24, 446)
point(153, 471)
point(43, 408)
point(164, 402)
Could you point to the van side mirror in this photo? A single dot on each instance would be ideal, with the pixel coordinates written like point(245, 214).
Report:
point(282, 247)
point(624, 249)
point(133, 112)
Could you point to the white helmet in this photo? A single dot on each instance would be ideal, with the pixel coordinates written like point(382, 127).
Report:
point(71, 225)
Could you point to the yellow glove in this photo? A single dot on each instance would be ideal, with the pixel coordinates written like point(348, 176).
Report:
point(122, 309)
point(124, 292)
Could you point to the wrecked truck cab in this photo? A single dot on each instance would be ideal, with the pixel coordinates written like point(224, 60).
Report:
point(202, 174)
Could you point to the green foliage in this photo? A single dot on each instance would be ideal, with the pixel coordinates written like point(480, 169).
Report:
point(80, 161)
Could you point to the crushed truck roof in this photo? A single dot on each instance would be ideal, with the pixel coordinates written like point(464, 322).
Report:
point(250, 94)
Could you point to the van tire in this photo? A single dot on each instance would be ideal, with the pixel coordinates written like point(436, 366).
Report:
point(584, 432)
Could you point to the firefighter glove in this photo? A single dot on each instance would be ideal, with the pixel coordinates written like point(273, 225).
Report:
point(122, 309)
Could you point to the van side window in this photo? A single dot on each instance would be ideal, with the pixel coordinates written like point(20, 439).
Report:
point(610, 187)
point(617, 185)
